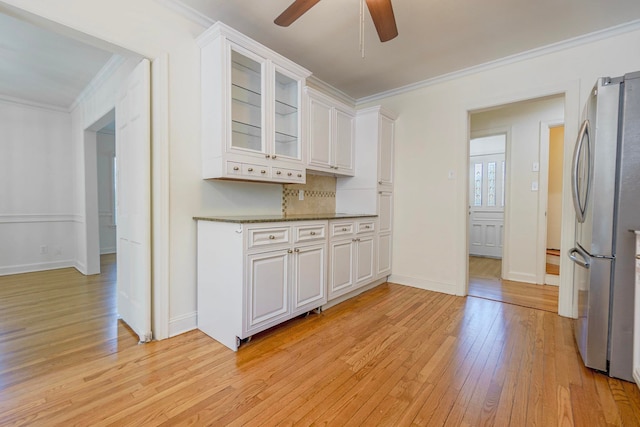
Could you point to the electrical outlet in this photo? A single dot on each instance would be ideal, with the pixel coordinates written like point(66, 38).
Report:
point(534, 186)
point(536, 167)
point(300, 194)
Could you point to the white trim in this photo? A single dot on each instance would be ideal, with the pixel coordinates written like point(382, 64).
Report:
point(39, 217)
point(98, 80)
point(26, 103)
point(518, 57)
point(515, 276)
point(39, 266)
point(552, 280)
point(327, 89)
point(160, 190)
point(427, 285)
point(183, 323)
point(187, 12)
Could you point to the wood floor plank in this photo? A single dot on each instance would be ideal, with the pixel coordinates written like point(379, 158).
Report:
point(393, 356)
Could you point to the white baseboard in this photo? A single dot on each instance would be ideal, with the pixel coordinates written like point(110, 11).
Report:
point(428, 285)
point(552, 279)
point(521, 277)
point(41, 266)
point(184, 323)
point(636, 376)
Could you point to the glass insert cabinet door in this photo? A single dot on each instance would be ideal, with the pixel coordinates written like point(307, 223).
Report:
point(286, 120)
point(247, 102)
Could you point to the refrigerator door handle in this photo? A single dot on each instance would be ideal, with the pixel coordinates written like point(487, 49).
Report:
point(584, 262)
point(581, 205)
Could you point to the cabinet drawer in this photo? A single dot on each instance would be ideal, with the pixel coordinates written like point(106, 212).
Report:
point(366, 226)
point(342, 229)
point(289, 175)
point(234, 168)
point(306, 233)
point(255, 170)
point(261, 237)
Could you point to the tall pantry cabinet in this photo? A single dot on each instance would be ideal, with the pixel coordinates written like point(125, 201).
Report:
point(371, 189)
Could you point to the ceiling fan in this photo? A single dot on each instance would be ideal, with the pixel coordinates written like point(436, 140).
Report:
point(381, 13)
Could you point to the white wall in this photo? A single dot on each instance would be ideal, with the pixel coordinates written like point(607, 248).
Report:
point(36, 175)
point(148, 28)
point(106, 148)
point(430, 221)
point(522, 205)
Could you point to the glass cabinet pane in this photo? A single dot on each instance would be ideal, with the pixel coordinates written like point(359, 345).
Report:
point(287, 142)
point(246, 103)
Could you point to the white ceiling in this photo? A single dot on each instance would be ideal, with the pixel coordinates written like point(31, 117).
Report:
point(436, 37)
point(44, 67)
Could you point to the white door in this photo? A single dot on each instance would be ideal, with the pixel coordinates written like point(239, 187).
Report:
point(319, 133)
point(385, 152)
point(133, 153)
point(344, 137)
point(309, 289)
point(364, 260)
point(341, 267)
point(486, 200)
point(267, 293)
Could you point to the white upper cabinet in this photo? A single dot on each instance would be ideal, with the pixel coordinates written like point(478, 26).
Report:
point(252, 110)
point(385, 147)
point(331, 128)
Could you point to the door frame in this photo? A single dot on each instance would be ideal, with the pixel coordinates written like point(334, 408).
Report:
point(160, 207)
point(506, 131)
point(543, 198)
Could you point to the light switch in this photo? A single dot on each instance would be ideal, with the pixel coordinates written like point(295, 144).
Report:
point(451, 174)
point(534, 185)
point(536, 167)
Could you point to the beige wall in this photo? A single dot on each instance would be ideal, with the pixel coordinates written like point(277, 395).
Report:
point(523, 206)
point(554, 204)
point(432, 131)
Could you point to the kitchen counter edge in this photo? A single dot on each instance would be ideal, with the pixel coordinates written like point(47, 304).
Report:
point(244, 219)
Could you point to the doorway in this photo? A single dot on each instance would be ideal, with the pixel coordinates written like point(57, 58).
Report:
point(508, 202)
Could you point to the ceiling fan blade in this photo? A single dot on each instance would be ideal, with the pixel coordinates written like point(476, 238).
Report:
point(294, 11)
point(383, 18)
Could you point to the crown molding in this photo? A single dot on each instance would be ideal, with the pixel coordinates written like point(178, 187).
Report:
point(326, 88)
point(98, 80)
point(187, 12)
point(32, 104)
point(518, 57)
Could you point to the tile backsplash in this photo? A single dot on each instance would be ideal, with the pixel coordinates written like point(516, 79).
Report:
point(319, 196)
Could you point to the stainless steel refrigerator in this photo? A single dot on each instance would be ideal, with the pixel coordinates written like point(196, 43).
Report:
point(606, 196)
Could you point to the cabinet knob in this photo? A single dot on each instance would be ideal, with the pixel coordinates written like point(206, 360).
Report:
point(250, 169)
point(297, 250)
point(279, 173)
point(299, 175)
point(313, 233)
point(263, 171)
point(289, 251)
point(273, 157)
point(367, 226)
point(289, 174)
point(236, 168)
point(344, 228)
point(271, 237)
point(268, 156)
point(380, 182)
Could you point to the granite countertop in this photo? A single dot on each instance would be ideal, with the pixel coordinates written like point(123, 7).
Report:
point(241, 219)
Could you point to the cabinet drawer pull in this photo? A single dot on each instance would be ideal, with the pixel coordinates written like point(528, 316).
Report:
point(313, 233)
point(271, 237)
point(267, 156)
point(289, 174)
point(273, 157)
point(289, 251)
point(299, 175)
point(263, 171)
point(236, 168)
point(367, 226)
point(279, 173)
point(344, 228)
point(297, 250)
point(250, 169)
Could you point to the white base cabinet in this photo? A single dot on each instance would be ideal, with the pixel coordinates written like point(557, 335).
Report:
point(351, 255)
point(253, 276)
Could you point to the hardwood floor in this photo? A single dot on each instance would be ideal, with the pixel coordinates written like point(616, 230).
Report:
point(394, 356)
point(485, 282)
